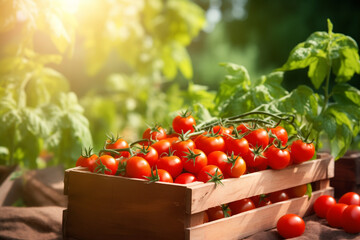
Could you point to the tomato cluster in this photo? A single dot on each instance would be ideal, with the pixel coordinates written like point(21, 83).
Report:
point(191, 152)
point(344, 214)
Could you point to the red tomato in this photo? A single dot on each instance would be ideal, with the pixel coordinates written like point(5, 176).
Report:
point(237, 146)
point(350, 219)
point(257, 138)
point(242, 205)
point(87, 161)
point(301, 151)
point(206, 217)
point(181, 148)
point(243, 128)
point(280, 133)
point(261, 200)
point(290, 225)
point(278, 196)
point(235, 167)
point(222, 130)
point(350, 198)
point(322, 204)
point(297, 191)
point(209, 144)
point(214, 171)
point(194, 161)
point(106, 164)
point(149, 154)
point(277, 158)
point(117, 144)
point(172, 164)
point(185, 178)
point(334, 214)
point(137, 167)
point(254, 158)
point(218, 212)
point(219, 159)
point(162, 147)
point(161, 175)
point(183, 123)
point(156, 133)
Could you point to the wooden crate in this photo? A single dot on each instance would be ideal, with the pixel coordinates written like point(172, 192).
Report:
point(112, 207)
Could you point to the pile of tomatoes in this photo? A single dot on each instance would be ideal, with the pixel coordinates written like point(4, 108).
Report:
point(203, 152)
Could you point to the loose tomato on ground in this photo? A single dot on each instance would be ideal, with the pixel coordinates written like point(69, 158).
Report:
point(184, 123)
point(149, 154)
point(322, 204)
point(278, 196)
point(242, 205)
point(219, 159)
point(237, 146)
point(118, 143)
point(218, 212)
point(172, 164)
point(258, 137)
point(160, 175)
point(280, 133)
point(350, 219)
point(235, 166)
point(301, 151)
point(277, 158)
point(297, 191)
point(185, 178)
point(181, 147)
point(334, 214)
point(194, 161)
point(210, 143)
point(290, 225)
point(106, 164)
point(137, 167)
point(210, 173)
point(350, 198)
point(162, 147)
point(156, 133)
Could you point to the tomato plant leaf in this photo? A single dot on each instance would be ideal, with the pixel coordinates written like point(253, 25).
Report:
point(346, 94)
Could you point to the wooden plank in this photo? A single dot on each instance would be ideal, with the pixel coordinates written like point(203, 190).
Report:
point(321, 184)
point(207, 195)
point(111, 207)
point(248, 223)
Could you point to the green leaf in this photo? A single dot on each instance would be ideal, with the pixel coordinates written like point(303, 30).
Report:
point(346, 94)
point(318, 71)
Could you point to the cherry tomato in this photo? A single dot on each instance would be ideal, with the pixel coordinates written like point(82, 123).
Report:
point(297, 191)
point(183, 123)
point(350, 198)
point(185, 178)
point(261, 200)
point(350, 219)
point(162, 147)
point(137, 167)
point(87, 161)
point(280, 133)
point(106, 164)
point(322, 204)
point(277, 158)
point(334, 214)
point(243, 128)
point(149, 154)
point(181, 148)
point(163, 175)
point(221, 130)
point(219, 159)
point(258, 137)
point(172, 164)
point(156, 133)
point(301, 151)
point(117, 144)
point(209, 144)
point(254, 158)
point(290, 225)
point(218, 212)
point(194, 161)
point(237, 146)
point(206, 217)
point(214, 171)
point(242, 205)
point(278, 196)
point(235, 167)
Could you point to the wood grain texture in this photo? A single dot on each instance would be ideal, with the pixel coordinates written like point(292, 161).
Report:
point(108, 207)
point(248, 223)
point(207, 195)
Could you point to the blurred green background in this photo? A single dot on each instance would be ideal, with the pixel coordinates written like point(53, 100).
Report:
point(74, 71)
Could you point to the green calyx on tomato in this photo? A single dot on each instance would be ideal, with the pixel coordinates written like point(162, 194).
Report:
point(86, 152)
point(154, 177)
point(226, 210)
point(191, 156)
point(101, 168)
point(186, 113)
point(232, 159)
point(216, 178)
point(121, 171)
